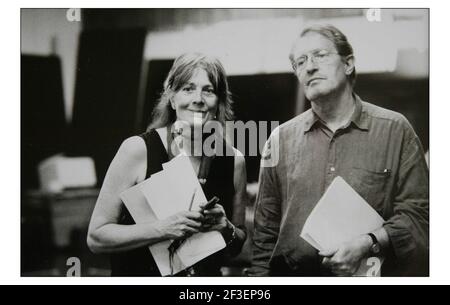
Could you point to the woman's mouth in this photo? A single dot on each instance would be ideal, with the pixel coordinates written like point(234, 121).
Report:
point(199, 112)
point(199, 115)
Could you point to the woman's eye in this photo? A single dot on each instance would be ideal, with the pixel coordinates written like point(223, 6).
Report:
point(209, 91)
point(188, 89)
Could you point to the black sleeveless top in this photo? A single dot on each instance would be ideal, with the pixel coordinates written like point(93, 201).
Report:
point(220, 183)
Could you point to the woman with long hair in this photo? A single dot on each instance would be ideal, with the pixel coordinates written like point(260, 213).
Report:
point(195, 95)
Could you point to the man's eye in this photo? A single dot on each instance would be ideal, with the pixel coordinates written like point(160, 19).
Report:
point(301, 62)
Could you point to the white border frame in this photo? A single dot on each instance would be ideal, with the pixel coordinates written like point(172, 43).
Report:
point(10, 128)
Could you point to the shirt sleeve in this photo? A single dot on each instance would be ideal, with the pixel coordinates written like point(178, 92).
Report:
point(267, 215)
point(408, 228)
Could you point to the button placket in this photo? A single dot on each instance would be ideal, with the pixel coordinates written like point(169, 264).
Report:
point(331, 168)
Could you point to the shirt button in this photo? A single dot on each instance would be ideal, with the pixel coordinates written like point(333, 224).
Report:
point(332, 169)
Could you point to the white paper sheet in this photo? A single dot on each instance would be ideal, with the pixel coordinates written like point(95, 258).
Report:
point(162, 195)
point(340, 216)
point(182, 177)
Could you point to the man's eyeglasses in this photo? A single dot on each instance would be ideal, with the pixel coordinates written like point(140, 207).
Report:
point(318, 57)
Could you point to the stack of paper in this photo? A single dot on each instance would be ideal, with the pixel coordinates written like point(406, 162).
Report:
point(340, 216)
point(167, 193)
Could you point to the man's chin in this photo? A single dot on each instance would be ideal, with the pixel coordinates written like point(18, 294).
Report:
point(311, 96)
point(316, 94)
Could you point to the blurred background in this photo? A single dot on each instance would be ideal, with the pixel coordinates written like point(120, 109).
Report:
point(91, 77)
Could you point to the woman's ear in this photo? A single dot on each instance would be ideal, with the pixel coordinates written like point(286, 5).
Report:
point(349, 64)
point(172, 104)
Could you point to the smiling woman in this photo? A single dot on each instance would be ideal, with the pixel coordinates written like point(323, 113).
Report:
point(193, 73)
point(196, 99)
point(195, 92)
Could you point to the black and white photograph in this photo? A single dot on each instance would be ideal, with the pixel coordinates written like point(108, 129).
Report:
point(225, 142)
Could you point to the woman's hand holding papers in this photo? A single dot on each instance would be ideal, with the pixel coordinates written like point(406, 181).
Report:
point(346, 260)
point(181, 225)
point(215, 218)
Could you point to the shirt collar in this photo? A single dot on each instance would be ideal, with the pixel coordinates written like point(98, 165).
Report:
point(359, 117)
point(311, 121)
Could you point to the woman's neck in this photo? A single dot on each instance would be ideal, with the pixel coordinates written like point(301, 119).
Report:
point(190, 141)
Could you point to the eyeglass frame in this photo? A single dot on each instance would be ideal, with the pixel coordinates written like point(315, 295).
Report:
point(314, 58)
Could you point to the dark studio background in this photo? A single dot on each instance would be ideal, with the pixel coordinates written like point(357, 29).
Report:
point(115, 86)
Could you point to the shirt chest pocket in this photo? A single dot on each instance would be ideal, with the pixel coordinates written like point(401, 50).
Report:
point(371, 185)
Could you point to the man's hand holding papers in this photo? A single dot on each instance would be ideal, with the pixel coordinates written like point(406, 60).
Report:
point(345, 260)
point(338, 227)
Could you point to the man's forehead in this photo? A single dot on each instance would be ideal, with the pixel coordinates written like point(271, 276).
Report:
point(311, 42)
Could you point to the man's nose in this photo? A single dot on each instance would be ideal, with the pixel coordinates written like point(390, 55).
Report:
point(311, 65)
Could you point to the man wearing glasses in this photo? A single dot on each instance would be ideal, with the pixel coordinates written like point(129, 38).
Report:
point(374, 149)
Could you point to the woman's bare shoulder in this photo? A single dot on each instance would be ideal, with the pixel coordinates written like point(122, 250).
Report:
point(133, 149)
point(131, 160)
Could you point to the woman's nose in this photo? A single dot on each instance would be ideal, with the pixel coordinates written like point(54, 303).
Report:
point(197, 98)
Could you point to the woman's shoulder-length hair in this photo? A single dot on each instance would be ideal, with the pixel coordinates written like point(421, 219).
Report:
point(181, 72)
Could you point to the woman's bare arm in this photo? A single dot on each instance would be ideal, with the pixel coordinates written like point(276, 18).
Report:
point(105, 235)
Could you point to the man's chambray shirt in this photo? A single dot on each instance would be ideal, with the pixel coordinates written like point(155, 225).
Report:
point(377, 153)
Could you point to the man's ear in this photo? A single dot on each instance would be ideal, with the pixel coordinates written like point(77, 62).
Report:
point(349, 64)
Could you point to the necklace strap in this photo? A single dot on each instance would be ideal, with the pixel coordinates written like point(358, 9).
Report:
point(205, 162)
